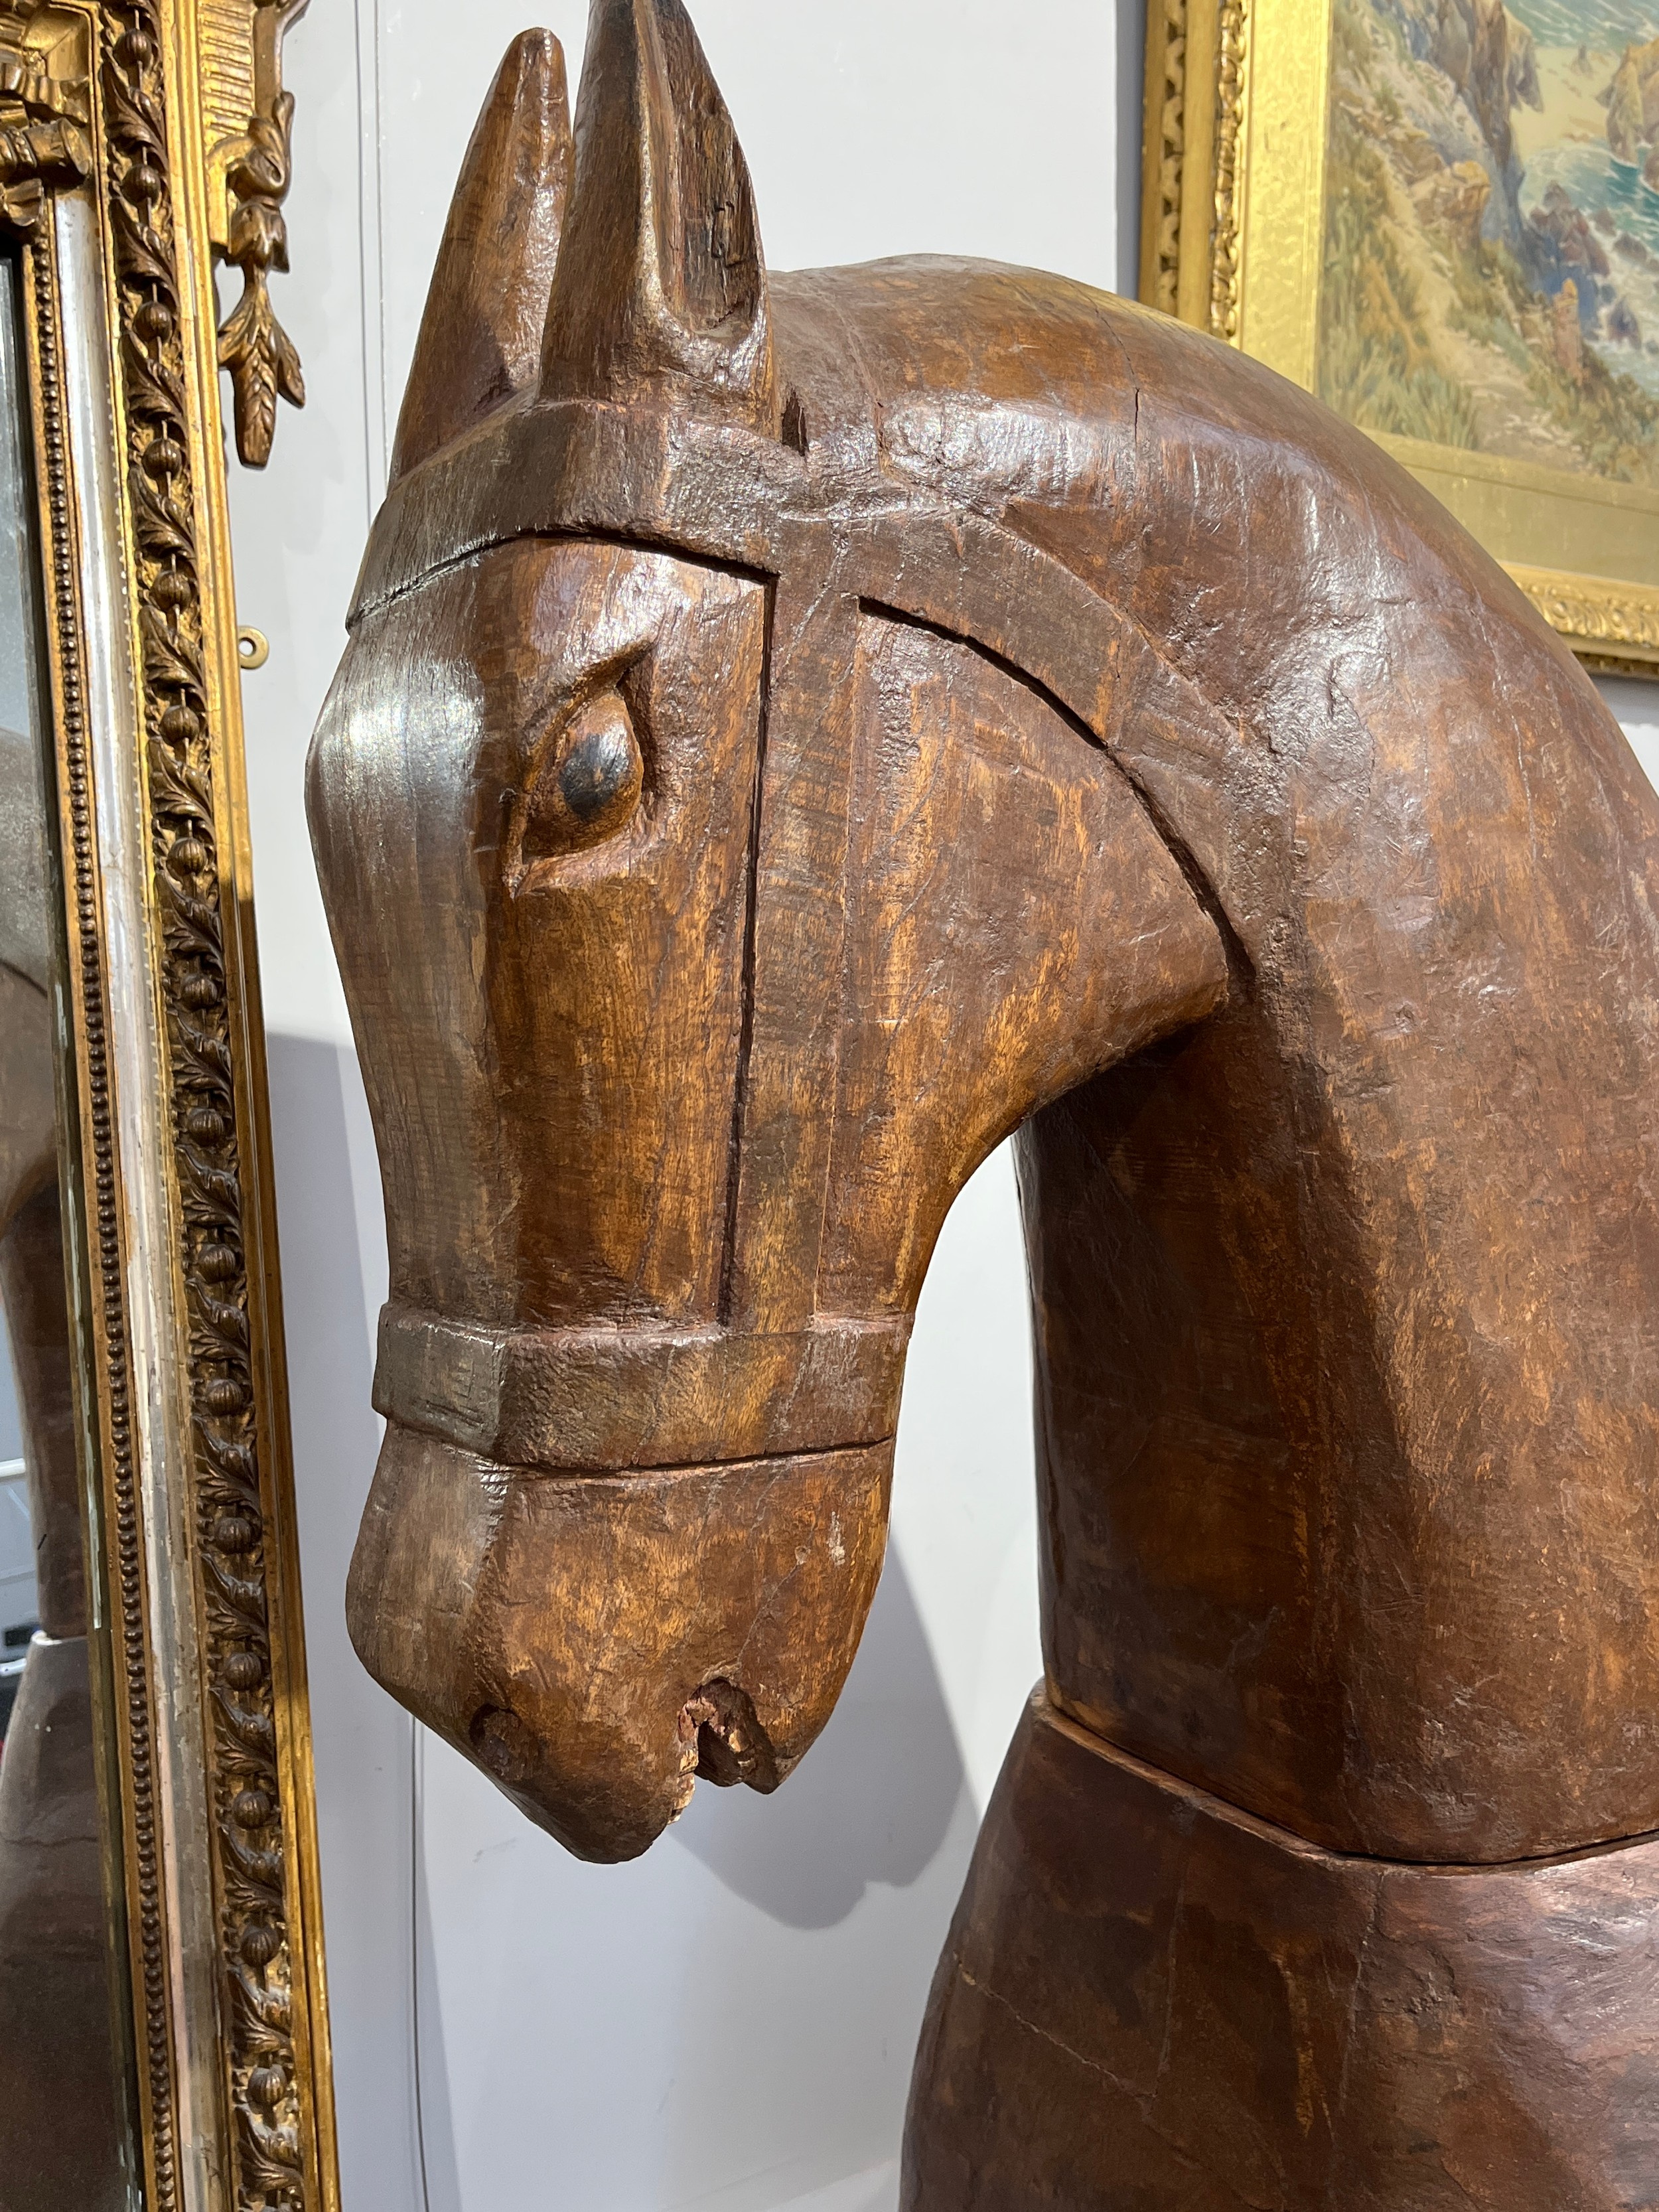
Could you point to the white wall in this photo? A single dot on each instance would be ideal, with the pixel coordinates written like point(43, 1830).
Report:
point(728, 2023)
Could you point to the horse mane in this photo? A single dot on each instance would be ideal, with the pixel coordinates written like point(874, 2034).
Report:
point(1179, 480)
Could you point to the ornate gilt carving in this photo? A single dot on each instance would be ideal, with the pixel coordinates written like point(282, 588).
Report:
point(249, 120)
point(231, 1508)
point(253, 345)
point(1608, 625)
point(45, 110)
point(1232, 83)
point(275, 2151)
point(134, 1717)
point(1166, 99)
point(43, 121)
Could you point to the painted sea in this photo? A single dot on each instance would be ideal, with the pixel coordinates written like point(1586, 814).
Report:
point(1595, 23)
point(1492, 262)
point(1598, 183)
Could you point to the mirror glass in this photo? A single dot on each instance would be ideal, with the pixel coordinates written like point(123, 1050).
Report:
point(61, 2143)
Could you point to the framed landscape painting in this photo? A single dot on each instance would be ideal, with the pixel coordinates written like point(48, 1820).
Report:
point(1442, 216)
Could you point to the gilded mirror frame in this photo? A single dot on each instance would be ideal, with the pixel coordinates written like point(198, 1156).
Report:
point(140, 140)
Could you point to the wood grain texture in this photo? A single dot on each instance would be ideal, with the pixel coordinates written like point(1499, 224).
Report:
point(659, 292)
point(1149, 1999)
point(481, 338)
point(837, 720)
point(580, 1638)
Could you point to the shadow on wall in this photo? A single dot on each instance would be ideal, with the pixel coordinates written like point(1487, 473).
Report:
point(784, 1945)
point(872, 1801)
point(333, 1276)
point(787, 1942)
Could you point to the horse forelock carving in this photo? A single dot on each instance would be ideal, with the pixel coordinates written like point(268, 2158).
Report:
point(797, 730)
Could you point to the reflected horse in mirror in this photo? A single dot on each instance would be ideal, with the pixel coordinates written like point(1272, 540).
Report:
point(797, 730)
point(59, 2143)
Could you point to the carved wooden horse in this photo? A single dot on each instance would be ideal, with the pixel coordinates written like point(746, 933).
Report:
point(793, 735)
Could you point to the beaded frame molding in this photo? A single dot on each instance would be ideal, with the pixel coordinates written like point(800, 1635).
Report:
point(139, 141)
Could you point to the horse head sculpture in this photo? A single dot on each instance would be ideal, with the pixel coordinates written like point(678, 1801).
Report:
point(797, 731)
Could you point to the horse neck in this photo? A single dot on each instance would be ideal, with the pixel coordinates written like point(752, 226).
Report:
point(1345, 1302)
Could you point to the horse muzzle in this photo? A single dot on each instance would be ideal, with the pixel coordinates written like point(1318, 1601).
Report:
point(602, 1562)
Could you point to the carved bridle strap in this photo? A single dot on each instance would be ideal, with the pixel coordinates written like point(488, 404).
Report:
point(665, 482)
point(577, 468)
point(598, 1399)
point(780, 1377)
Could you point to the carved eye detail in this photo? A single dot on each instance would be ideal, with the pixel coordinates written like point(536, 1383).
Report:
point(589, 784)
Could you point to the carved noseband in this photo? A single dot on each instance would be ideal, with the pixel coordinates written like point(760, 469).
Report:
point(604, 1398)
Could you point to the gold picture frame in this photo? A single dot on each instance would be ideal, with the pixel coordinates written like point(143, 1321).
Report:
point(1233, 241)
point(140, 141)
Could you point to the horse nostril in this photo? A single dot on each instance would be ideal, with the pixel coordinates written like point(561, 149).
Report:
point(503, 1744)
point(732, 1745)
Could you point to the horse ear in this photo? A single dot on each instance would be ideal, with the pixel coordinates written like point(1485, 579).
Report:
point(660, 287)
point(480, 339)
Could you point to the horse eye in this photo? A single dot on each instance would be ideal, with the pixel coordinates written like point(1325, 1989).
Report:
point(595, 773)
point(589, 784)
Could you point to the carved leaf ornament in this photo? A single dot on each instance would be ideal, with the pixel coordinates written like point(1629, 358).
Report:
point(228, 1508)
point(253, 345)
